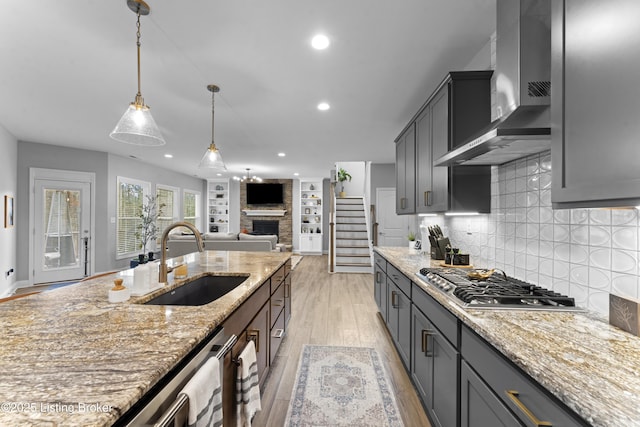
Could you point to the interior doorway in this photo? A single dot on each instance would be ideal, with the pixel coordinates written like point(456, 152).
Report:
point(392, 228)
point(61, 217)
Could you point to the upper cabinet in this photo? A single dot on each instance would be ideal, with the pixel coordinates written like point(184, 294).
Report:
point(594, 103)
point(406, 171)
point(458, 108)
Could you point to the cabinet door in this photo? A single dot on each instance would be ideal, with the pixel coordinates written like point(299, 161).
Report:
point(434, 369)
point(424, 162)
point(392, 309)
point(259, 330)
point(439, 107)
point(403, 304)
point(380, 290)
point(595, 126)
point(479, 406)
point(406, 172)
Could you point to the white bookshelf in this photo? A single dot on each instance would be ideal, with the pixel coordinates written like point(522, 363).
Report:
point(217, 206)
point(311, 222)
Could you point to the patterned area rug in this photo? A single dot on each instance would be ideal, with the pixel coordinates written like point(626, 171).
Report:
point(341, 386)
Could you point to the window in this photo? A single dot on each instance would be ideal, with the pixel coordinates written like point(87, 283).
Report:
point(191, 208)
point(131, 197)
point(167, 198)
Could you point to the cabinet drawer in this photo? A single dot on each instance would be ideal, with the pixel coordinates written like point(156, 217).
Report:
point(277, 278)
point(277, 334)
point(380, 262)
point(277, 303)
point(442, 319)
point(399, 279)
point(241, 317)
point(525, 397)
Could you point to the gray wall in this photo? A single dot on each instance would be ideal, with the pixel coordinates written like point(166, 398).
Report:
point(383, 175)
point(107, 168)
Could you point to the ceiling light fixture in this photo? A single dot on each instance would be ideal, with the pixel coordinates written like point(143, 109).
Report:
point(282, 154)
point(248, 177)
point(320, 42)
point(136, 126)
point(212, 158)
point(323, 106)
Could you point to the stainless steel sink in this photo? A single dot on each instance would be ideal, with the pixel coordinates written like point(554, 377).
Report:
point(200, 291)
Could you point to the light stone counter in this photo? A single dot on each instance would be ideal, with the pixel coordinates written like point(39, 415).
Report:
point(68, 357)
point(592, 367)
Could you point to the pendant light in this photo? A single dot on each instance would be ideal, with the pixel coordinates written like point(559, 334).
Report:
point(212, 158)
point(136, 125)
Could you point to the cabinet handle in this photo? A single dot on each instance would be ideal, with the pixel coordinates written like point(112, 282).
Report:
point(513, 395)
point(278, 333)
point(278, 303)
point(394, 303)
point(286, 290)
point(254, 335)
point(427, 198)
point(425, 342)
point(377, 277)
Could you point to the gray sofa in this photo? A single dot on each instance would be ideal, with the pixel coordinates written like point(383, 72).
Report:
point(180, 244)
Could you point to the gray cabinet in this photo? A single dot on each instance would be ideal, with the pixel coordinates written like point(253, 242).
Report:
point(595, 104)
point(479, 406)
point(512, 388)
point(380, 284)
point(399, 319)
point(434, 368)
point(406, 171)
point(457, 109)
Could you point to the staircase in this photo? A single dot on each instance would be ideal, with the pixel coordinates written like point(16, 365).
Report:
point(353, 250)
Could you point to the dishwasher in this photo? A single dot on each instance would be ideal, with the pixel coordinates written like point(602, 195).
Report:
point(164, 405)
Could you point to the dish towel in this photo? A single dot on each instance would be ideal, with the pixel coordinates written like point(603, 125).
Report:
point(247, 386)
point(205, 395)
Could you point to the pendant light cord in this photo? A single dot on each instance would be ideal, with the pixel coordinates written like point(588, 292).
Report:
point(139, 100)
point(213, 109)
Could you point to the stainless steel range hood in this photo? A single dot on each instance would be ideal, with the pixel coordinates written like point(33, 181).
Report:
point(522, 86)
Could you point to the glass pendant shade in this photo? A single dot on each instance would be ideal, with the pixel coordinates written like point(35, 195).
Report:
point(212, 159)
point(136, 126)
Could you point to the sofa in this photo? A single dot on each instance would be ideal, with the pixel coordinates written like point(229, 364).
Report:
point(180, 244)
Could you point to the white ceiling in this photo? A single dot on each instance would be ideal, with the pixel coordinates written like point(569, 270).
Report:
point(69, 71)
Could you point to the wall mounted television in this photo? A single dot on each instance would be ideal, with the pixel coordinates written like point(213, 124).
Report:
point(265, 193)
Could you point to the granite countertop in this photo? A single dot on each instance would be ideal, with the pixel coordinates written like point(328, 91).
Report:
point(69, 357)
point(591, 366)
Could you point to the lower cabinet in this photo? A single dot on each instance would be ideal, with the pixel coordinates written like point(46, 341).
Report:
point(434, 370)
point(479, 406)
point(380, 289)
point(399, 320)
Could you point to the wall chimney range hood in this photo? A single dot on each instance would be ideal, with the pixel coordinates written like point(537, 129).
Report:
point(522, 82)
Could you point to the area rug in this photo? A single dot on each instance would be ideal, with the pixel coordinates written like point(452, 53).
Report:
point(341, 386)
point(295, 259)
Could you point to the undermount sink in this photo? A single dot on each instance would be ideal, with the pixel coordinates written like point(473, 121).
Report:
point(200, 291)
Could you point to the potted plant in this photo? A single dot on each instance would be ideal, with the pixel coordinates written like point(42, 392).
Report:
point(343, 176)
point(412, 239)
point(148, 229)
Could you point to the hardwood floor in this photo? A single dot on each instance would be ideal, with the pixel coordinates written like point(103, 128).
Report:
point(333, 309)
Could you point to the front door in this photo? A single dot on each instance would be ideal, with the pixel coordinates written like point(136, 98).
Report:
point(62, 225)
point(392, 228)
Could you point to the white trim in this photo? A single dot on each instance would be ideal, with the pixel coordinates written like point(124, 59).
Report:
point(61, 175)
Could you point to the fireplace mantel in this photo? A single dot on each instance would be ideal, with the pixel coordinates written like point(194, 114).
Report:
point(265, 212)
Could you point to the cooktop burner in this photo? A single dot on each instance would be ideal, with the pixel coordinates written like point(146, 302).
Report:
point(497, 291)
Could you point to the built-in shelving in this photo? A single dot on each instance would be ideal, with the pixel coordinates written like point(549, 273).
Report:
point(311, 224)
point(218, 206)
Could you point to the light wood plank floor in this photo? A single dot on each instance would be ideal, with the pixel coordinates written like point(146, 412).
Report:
point(333, 309)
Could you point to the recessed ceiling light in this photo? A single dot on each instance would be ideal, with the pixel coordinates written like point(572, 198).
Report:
point(320, 42)
point(218, 174)
point(281, 154)
point(323, 106)
point(169, 156)
point(296, 174)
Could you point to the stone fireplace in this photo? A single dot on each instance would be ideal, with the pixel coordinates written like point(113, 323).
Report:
point(266, 227)
point(284, 222)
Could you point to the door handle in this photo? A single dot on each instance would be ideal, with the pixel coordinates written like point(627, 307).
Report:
point(427, 198)
point(402, 203)
point(425, 342)
point(513, 395)
point(254, 335)
point(377, 277)
point(394, 303)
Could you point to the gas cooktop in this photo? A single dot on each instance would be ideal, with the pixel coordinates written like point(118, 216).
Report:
point(498, 291)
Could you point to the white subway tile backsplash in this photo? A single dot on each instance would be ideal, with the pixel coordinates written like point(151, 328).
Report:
point(583, 253)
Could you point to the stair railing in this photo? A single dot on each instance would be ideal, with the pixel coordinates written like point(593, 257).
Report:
point(365, 203)
point(332, 227)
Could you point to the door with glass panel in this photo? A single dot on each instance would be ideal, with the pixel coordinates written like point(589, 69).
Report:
point(61, 230)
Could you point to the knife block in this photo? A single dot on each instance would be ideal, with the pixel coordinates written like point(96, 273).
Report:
point(438, 247)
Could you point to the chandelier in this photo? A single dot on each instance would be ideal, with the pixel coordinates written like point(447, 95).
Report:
point(248, 177)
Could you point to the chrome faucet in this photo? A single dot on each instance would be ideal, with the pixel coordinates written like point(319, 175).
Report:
point(164, 270)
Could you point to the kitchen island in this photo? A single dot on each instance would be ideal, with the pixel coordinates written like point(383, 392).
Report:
point(576, 357)
point(69, 357)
